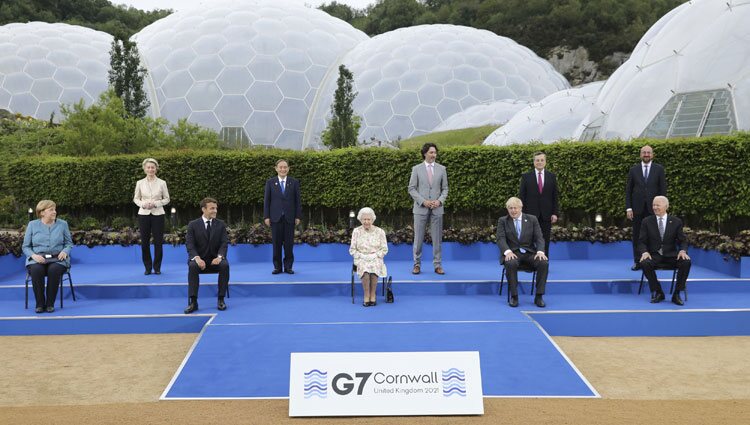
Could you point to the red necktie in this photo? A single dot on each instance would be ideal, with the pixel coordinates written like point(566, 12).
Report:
point(539, 182)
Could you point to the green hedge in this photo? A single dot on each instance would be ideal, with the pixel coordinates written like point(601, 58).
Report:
point(706, 177)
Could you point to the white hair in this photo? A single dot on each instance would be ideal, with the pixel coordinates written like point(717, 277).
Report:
point(365, 211)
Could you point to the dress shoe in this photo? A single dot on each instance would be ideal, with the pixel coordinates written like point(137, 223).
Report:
point(513, 301)
point(416, 269)
point(289, 271)
point(157, 271)
point(373, 303)
point(439, 270)
point(191, 308)
point(677, 300)
point(539, 301)
point(221, 305)
point(147, 272)
point(50, 309)
point(657, 298)
point(276, 271)
point(39, 310)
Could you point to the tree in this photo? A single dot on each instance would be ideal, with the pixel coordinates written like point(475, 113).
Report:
point(344, 125)
point(126, 77)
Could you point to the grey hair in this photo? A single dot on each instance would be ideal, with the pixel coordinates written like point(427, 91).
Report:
point(513, 201)
point(666, 201)
point(365, 211)
point(151, 160)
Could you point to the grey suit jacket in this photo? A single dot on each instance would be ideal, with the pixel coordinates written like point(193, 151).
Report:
point(420, 189)
point(531, 235)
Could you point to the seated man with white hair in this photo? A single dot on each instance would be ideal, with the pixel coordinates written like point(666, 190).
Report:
point(662, 243)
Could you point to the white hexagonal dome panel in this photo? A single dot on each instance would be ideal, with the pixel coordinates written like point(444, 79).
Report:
point(45, 65)
point(449, 68)
point(496, 113)
point(688, 76)
point(554, 118)
point(253, 64)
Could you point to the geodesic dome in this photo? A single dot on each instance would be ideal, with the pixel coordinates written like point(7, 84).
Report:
point(412, 79)
point(45, 65)
point(555, 117)
point(250, 69)
point(496, 113)
point(688, 76)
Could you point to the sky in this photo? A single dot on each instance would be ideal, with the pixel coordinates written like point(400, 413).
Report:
point(187, 4)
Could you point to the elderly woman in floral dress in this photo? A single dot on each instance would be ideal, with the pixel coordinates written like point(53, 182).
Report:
point(368, 248)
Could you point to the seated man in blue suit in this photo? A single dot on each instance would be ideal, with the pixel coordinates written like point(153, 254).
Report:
point(662, 243)
point(206, 243)
point(520, 239)
point(282, 211)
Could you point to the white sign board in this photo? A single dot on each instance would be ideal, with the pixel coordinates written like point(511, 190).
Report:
point(385, 384)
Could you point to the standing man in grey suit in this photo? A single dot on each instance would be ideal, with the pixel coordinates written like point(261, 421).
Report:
point(645, 181)
point(428, 186)
point(520, 240)
point(540, 196)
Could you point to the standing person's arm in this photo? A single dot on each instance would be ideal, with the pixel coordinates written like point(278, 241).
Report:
point(555, 199)
point(443, 186)
point(522, 191)
point(629, 195)
point(164, 196)
point(267, 204)
point(138, 196)
point(297, 203)
point(413, 188)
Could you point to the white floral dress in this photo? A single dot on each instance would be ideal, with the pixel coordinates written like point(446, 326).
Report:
point(368, 249)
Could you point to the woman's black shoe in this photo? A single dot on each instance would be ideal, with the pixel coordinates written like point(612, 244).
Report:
point(373, 303)
point(39, 310)
point(365, 304)
point(147, 272)
point(157, 271)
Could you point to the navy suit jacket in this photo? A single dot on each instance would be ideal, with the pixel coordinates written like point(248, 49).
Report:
point(277, 205)
point(198, 243)
point(543, 205)
point(639, 192)
point(674, 238)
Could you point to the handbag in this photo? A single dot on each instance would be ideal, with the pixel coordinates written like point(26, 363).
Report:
point(389, 290)
point(50, 257)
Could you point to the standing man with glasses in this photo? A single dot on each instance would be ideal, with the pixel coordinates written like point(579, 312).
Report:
point(428, 186)
point(540, 196)
point(645, 181)
point(282, 211)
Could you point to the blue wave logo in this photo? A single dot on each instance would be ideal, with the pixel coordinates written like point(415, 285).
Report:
point(454, 382)
point(316, 384)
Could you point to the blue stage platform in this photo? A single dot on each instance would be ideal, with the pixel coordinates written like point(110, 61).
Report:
point(591, 292)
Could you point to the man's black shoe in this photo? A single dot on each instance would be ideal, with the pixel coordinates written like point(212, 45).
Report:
point(677, 300)
point(221, 305)
point(657, 298)
point(193, 306)
point(513, 301)
point(539, 301)
point(289, 271)
point(276, 271)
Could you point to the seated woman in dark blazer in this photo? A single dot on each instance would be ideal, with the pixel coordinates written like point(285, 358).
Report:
point(47, 246)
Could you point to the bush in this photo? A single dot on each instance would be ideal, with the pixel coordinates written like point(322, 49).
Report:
point(89, 223)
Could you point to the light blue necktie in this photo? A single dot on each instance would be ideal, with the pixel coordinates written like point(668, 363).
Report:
point(282, 187)
point(518, 228)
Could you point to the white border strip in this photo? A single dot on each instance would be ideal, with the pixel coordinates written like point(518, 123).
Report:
point(675, 310)
point(405, 322)
point(187, 357)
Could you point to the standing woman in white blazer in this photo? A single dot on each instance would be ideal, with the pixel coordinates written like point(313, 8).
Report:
point(151, 195)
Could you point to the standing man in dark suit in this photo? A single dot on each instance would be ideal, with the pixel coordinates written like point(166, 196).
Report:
point(662, 243)
point(645, 181)
point(282, 211)
point(206, 243)
point(540, 197)
point(520, 240)
point(428, 187)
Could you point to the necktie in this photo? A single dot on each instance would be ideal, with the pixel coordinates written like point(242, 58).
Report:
point(518, 228)
point(645, 172)
point(539, 182)
point(661, 227)
point(282, 187)
point(429, 173)
point(208, 228)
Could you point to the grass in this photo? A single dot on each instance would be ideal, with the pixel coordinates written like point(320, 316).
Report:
point(463, 137)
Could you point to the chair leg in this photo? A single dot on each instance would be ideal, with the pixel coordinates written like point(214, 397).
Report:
point(640, 287)
point(382, 289)
point(70, 283)
point(352, 288)
point(502, 280)
point(60, 288)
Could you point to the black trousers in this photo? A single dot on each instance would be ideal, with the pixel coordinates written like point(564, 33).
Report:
point(637, 219)
point(54, 273)
point(282, 234)
point(546, 225)
point(151, 225)
point(526, 259)
point(649, 269)
point(194, 273)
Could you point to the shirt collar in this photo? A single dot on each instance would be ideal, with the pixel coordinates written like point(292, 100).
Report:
point(643, 164)
point(427, 164)
point(664, 217)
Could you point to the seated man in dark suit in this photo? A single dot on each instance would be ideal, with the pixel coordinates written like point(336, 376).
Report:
point(662, 243)
point(206, 244)
point(520, 239)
